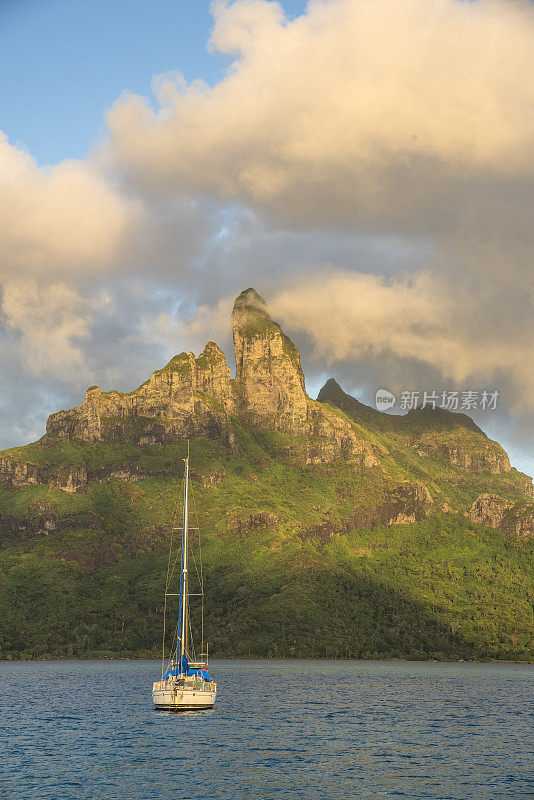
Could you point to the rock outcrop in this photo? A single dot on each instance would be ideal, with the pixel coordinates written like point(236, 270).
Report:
point(240, 525)
point(409, 502)
point(489, 509)
point(187, 396)
point(269, 377)
point(43, 518)
point(17, 474)
point(494, 511)
point(487, 458)
point(73, 479)
point(401, 504)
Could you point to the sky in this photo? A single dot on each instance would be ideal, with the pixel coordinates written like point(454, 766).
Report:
point(367, 166)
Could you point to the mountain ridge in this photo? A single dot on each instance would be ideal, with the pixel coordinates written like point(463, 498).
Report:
point(197, 396)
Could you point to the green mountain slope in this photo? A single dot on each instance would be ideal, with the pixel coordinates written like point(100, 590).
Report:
point(327, 528)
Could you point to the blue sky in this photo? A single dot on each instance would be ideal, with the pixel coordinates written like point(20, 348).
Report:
point(354, 161)
point(63, 62)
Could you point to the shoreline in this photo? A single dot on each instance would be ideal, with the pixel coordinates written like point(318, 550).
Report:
point(273, 659)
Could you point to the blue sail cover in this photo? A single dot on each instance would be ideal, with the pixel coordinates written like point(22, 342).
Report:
point(200, 673)
point(185, 669)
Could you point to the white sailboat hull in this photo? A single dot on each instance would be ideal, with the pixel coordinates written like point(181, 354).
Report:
point(171, 696)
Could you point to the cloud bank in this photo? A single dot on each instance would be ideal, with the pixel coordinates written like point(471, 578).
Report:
point(419, 319)
point(328, 118)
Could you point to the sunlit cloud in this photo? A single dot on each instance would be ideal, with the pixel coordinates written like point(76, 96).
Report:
point(332, 116)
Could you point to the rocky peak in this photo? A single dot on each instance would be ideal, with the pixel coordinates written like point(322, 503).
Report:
point(213, 375)
point(250, 311)
point(168, 402)
point(330, 390)
point(333, 394)
point(190, 396)
point(269, 377)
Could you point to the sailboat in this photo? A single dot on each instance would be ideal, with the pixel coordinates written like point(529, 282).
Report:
point(186, 684)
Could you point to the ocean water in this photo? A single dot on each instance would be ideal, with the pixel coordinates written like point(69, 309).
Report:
point(323, 730)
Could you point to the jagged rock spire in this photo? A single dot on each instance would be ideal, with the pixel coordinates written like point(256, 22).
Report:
point(250, 309)
point(269, 377)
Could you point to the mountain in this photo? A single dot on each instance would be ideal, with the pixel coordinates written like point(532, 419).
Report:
point(328, 528)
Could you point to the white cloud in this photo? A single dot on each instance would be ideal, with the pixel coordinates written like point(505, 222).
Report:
point(192, 330)
point(51, 322)
point(346, 111)
point(351, 317)
point(59, 227)
point(54, 221)
point(67, 233)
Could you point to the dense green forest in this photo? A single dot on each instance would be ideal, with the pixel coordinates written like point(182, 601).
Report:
point(287, 571)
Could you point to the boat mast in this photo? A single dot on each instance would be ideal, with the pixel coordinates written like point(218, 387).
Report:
point(182, 624)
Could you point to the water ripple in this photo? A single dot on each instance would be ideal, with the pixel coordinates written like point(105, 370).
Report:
point(291, 730)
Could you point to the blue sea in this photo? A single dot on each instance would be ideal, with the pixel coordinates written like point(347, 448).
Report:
point(323, 730)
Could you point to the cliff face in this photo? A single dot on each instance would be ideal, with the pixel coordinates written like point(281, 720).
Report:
point(269, 377)
point(17, 474)
point(496, 512)
point(186, 396)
